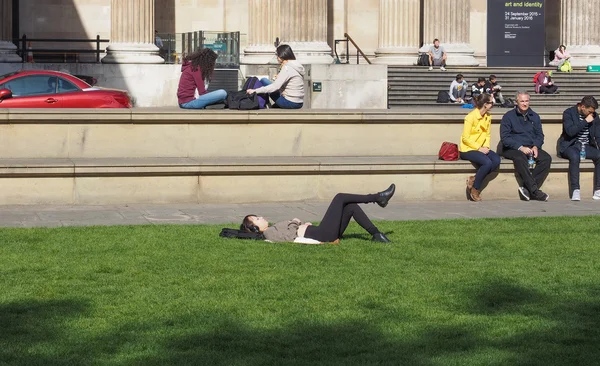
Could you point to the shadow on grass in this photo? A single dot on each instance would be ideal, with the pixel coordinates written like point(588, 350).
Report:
point(31, 330)
point(567, 332)
point(563, 332)
point(349, 343)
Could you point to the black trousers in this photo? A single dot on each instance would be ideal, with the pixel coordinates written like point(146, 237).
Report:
point(532, 179)
point(342, 208)
point(550, 89)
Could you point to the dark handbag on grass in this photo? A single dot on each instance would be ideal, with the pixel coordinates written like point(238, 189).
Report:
point(448, 151)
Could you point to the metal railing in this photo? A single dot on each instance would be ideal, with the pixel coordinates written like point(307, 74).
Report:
point(175, 46)
point(359, 52)
point(24, 47)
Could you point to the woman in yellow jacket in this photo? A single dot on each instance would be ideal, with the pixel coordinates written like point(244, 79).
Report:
point(475, 144)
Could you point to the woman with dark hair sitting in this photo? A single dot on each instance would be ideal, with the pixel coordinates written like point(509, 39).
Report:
point(475, 144)
point(287, 91)
point(196, 72)
point(342, 208)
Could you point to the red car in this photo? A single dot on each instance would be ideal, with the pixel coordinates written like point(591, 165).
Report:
point(54, 89)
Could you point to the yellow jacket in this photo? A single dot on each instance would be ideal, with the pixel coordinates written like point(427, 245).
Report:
point(476, 132)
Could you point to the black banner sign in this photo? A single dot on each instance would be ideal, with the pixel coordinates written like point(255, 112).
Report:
point(515, 33)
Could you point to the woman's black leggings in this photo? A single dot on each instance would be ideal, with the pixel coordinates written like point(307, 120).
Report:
point(342, 208)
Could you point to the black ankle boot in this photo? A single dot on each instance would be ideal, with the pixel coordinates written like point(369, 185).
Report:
point(384, 197)
point(380, 238)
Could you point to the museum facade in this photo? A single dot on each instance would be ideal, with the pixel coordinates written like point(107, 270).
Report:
point(387, 31)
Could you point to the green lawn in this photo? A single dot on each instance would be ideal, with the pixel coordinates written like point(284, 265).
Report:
point(455, 292)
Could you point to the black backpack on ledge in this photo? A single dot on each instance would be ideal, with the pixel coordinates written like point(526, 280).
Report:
point(242, 101)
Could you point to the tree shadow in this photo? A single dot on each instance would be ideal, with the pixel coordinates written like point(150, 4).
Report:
point(32, 329)
point(478, 330)
point(303, 343)
point(568, 331)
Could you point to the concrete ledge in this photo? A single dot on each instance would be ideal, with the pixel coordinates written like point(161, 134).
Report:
point(173, 133)
point(173, 115)
point(226, 180)
point(236, 166)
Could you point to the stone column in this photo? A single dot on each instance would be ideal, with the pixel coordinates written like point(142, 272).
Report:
point(263, 24)
point(132, 33)
point(303, 26)
point(399, 23)
point(580, 31)
point(7, 48)
point(449, 21)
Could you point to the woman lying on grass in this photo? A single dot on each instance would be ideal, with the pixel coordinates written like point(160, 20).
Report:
point(342, 208)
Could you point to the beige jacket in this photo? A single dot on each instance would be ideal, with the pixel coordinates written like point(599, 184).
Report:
point(290, 82)
point(285, 231)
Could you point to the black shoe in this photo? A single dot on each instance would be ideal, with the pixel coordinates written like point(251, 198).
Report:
point(524, 194)
point(385, 196)
point(540, 196)
point(380, 238)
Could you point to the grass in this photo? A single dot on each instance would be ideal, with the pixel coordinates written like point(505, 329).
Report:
point(454, 292)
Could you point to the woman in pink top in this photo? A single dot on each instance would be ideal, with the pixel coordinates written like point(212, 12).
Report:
point(560, 56)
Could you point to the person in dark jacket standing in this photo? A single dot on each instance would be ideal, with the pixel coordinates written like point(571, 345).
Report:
point(196, 72)
point(581, 136)
point(522, 137)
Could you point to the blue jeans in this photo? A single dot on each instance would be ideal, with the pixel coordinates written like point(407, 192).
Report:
point(280, 101)
point(572, 153)
point(206, 99)
point(486, 163)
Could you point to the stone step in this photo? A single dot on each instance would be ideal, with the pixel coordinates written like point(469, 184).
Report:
point(419, 83)
point(434, 92)
point(226, 180)
point(418, 86)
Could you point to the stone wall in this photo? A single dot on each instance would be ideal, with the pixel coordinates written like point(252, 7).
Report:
point(148, 85)
point(343, 86)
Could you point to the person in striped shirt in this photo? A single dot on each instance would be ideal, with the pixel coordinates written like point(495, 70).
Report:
point(580, 138)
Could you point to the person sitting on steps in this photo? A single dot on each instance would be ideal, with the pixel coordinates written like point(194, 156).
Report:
point(342, 208)
point(544, 83)
point(478, 88)
point(458, 89)
point(437, 56)
point(560, 56)
point(492, 87)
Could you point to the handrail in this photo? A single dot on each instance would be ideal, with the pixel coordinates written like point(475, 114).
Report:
point(358, 49)
point(22, 46)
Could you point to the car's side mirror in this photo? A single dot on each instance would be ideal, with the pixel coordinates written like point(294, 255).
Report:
point(5, 93)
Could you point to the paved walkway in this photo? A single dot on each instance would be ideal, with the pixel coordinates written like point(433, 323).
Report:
point(50, 216)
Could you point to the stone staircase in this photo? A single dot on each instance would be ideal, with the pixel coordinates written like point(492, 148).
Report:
point(416, 86)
